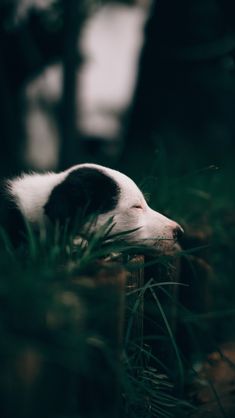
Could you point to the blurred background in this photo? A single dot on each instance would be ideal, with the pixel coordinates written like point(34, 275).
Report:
point(68, 75)
point(146, 87)
point(111, 82)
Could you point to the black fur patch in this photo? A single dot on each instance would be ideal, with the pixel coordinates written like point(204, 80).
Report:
point(85, 190)
point(11, 220)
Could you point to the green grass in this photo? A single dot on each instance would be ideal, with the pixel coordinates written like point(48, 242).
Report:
point(41, 311)
point(42, 316)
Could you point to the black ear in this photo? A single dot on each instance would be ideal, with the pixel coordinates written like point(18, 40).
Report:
point(86, 190)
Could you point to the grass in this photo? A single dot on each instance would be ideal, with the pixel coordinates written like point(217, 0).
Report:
point(42, 321)
point(197, 190)
point(43, 315)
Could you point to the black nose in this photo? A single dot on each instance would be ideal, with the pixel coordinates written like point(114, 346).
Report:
point(178, 233)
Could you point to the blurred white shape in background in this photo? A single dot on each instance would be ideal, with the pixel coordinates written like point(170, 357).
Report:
point(42, 96)
point(111, 44)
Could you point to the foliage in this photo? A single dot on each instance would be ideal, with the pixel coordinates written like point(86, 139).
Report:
point(43, 308)
point(40, 313)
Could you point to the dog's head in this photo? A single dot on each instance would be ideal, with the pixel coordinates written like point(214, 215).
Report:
point(94, 189)
point(90, 189)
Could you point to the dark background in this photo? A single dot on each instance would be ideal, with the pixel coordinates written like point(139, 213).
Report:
point(184, 95)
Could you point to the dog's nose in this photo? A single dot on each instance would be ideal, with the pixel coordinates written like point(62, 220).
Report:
point(178, 233)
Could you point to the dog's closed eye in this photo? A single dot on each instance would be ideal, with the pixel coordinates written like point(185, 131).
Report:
point(137, 206)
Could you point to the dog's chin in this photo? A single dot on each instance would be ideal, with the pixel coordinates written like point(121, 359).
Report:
point(151, 247)
point(163, 248)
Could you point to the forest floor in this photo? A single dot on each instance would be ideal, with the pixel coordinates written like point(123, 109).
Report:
point(213, 392)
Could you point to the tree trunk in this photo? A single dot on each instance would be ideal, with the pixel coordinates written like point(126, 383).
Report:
point(74, 14)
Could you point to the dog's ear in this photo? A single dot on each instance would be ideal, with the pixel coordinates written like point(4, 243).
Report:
point(85, 190)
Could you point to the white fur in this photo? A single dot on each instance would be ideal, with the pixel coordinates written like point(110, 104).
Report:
point(31, 192)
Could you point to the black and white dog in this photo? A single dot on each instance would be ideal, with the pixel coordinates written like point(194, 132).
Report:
point(43, 199)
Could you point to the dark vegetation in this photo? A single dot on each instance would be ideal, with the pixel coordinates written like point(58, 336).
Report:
point(178, 350)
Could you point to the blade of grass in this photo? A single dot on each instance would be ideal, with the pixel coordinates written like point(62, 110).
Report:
point(180, 365)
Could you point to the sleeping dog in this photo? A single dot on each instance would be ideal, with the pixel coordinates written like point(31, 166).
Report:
point(44, 199)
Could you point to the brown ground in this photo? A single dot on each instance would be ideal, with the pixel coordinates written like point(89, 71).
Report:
point(213, 391)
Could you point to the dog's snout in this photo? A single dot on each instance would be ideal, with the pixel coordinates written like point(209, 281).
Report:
point(178, 233)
